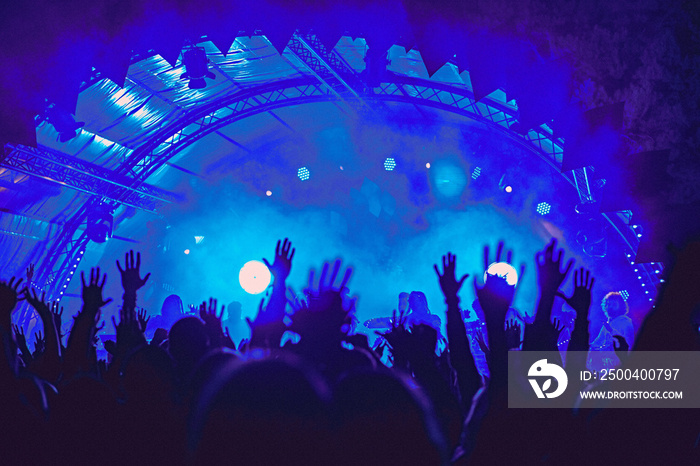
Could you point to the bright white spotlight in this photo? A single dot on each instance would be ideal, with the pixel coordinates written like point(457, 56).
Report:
point(503, 270)
point(254, 277)
point(389, 164)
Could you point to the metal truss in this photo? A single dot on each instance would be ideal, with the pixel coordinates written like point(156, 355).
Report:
point(202, 120)
point(329, 68)
point(205, 119)
point(83, 176)
point(583, 186)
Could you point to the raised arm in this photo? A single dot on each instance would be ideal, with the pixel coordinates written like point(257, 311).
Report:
point(461, 358)
point(81, 336)
point(280, 269)
point(131, 282)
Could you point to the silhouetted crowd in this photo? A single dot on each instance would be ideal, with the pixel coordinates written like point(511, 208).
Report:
point(176, 389)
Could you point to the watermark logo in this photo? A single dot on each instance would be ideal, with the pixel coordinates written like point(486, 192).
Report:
point(542, 369)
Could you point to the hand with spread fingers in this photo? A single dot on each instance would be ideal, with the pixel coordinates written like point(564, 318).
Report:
point(550, 275)
point(92, 290)
point(131, 275)
point(282, 264)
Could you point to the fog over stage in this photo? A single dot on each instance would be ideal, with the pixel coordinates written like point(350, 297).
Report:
point(390, 221)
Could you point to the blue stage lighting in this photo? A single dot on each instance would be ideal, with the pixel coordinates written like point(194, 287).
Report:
point(254, 277)
point(476, 173)
point(503, 270)
point(543, 208)
point(303, 173)
point(389, 164)
point(449, 178)
point(625, 294)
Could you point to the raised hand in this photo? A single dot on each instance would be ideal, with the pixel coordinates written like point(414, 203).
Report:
point(282, 264)
point(9, 297)
point(513, 334)
point(499, 252)
point(143, 319)
point(448, 282)
point(327, 283)
point(209, 315)
point(30, 273)
point(42, 308)
point(212, 322)
point(580, 301)
point(20, 338)
point(92, 291)
point(482, 343)
point(131, 276)
point(39, 343)
point(549, 273)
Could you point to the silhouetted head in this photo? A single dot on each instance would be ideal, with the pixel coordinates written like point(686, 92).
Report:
point(148, 374)
point(172, 307)
point(387, 421)
point(188, 342)
point(261, 412)
point(614, 305)
point(418, 302)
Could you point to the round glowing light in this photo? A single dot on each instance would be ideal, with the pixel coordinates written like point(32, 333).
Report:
point(503, 270)
point(269, 193)
point(427, 165)
point(254, 277)
point(187, 251)
point(509, 189)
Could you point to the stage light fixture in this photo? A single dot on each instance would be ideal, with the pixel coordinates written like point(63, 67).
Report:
point(254, 277)
point(196, 68)
point(503, 270)
point(389, 164)
point(268, 193)
point(625, 294)
point(187, 251)
point(99, 225)
point(543, 208)
point(509, 189)
point(476, 173)
point(303, 173)
point(198, 239)
point(427, 165)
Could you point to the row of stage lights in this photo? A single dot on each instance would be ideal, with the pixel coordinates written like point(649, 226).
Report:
point(303, 173)
point(645, 270)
